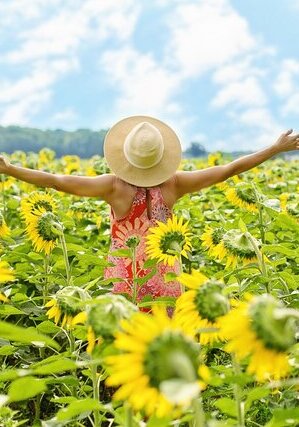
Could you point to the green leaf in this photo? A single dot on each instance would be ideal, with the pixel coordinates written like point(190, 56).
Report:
point(284, 417)
point(280, 249)
point(25, 388)
point(77, 407)
point(150, 263)
point(144, 279)
point(69, 380)
point(170, 276)
point(242, 225)
point(227, 406)
point(47, 327)
point(255, 394)
point(158, 422)
point(7, 310)
point(56, 367)
point(30, 336)
point(122, 253)
point(65, 399)
point(7, 350)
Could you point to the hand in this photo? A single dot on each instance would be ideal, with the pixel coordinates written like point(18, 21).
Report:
point(4, 164)
point(287, 142)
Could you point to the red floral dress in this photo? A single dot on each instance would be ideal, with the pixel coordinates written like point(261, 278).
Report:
point(137, 223)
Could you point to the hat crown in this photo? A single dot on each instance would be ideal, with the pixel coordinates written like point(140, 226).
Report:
point(143, 146)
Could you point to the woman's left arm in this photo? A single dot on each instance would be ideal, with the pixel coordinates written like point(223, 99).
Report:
point(189, 182)
point(286, 142)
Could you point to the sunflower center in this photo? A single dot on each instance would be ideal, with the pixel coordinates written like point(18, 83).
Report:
point(238, 244)
point(246, 193)
point(172, 243)
point(46, 226)
point(217, 236)
point(272, 323)
point(42, 204)
point(170, 356)
point(210, 302)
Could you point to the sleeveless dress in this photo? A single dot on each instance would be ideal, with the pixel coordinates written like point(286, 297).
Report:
point(136, 223)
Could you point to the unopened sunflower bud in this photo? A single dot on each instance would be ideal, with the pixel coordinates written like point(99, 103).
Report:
point(105, 315)
point(273, 323)
point(132, 242)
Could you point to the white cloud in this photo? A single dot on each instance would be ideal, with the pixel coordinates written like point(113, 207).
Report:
point(241, 93)
point(64, 32)
point(21, 110)
point(285, 82)
point(52, 45)
point(65, 117)
point(144, 85)
point(205, 35)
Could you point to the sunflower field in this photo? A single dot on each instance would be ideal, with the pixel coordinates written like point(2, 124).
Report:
point(224, 353)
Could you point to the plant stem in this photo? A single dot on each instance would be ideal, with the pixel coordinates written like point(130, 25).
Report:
point(37, 402)
point(96, 393)
point(199, 416)
point(260, 208)
point(46, 283)
point(258, 253)
point(3, 197)
point(129, 422)
point(134, 296)
point(237, 393)
point(66, 260)
point(72, 350)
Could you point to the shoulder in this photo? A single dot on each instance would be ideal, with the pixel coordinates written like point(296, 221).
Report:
point(122, 188)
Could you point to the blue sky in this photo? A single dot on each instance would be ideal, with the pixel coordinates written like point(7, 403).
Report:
point(224, 73)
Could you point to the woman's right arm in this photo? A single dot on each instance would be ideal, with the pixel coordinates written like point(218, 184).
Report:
point(100, 186)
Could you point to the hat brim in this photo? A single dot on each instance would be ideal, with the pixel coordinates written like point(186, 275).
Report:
point(114, 153)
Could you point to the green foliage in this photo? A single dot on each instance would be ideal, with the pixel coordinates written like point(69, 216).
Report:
point(47, 376)
point(82, 142)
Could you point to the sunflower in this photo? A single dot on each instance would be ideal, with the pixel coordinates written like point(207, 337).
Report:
point(4, 230)
point(242, 196)
point(169, 241)
point(212, 240)
point(263, 329)
point(3, 298)
point(154, 353)
point(215, 158)
point(232, 245)
point(201, 306)
point(289, 204)
point(66, 306)
point(71, 163)
point(30, 205)
point(43, 229)
point(104, 316)
point(6, 273)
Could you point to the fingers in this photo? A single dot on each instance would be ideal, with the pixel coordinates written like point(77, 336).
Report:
point(288, 132)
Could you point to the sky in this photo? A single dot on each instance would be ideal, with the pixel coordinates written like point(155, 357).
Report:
point(224, 73)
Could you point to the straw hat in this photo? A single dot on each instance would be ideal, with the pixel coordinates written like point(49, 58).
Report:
point(142, 151)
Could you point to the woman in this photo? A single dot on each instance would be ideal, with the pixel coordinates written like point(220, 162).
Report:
point(144, 154)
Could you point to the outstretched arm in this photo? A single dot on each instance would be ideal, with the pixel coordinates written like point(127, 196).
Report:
point(85, 186)
point(188, 182)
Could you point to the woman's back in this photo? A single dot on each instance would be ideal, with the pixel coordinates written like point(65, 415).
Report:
point(147, 207)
